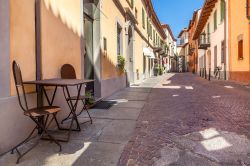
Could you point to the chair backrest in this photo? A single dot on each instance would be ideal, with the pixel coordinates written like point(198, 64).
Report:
point(68, 72)
point(19, 86)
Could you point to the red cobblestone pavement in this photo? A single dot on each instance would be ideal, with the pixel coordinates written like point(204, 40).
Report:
point(186, 104)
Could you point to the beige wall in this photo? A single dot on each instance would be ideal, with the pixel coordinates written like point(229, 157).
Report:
point(60, 35)
point(238, 25)
point(22, 38)
point(61, 30)
point(108, 30)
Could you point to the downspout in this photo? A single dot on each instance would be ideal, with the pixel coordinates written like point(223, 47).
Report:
point(38, 51)
point(225, 40)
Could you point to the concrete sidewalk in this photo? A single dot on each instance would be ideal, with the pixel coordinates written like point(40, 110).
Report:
point(98, 144)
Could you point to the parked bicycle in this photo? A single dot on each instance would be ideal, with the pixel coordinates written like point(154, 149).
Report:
point(217, 72)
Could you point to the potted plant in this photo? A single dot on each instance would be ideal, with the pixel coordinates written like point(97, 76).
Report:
point(90, 101)
point(161, 70)
point(121, 63)
point(156, 70)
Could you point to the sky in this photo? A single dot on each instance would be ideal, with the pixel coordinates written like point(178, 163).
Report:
point(176, 13)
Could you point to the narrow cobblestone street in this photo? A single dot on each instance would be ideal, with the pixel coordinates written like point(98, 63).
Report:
point(174, 119)
point(188, 121)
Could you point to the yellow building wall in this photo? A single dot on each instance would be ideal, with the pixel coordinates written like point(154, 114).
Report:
point(238, 25)
point(22, 39)
point(108, 31)
point(61, 32)
point(138, 56)
point(60, 37)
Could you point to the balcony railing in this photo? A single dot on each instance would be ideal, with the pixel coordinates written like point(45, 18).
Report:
point(204, 41)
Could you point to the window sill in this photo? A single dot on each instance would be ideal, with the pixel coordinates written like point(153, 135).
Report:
point(240, 59)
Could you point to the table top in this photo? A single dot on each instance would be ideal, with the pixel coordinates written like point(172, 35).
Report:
point(59, 82)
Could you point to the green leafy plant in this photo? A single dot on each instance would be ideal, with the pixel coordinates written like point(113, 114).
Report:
point(161, 69)
point(89, 98)
point(156, 69)
point(121, 62)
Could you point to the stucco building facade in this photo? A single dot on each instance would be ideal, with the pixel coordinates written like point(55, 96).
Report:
point(238, 29)
point(42, 35)
point(183, 51)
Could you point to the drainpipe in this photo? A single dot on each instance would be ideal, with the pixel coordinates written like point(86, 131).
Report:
point(38, 51)
point(225, 40)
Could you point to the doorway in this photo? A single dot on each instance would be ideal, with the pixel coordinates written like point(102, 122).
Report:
point(88, 57)
point(130, 56)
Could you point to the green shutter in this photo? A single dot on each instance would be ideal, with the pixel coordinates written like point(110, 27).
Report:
point(222, 10)
point(132, 3)
point(143, 18)
point(215, 20)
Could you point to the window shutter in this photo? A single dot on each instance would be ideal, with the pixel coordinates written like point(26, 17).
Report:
point(143, 18)
point(222, 51)
point(222, 10)
point(248, 9)
point(240, 49)
point(215, 20)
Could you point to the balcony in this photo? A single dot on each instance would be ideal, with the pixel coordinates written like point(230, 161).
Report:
point(191, 50)
point(204, 41)
point(183, 41)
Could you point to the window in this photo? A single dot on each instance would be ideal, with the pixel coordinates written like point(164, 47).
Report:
point(105, 44)
point(154, 37)
point(208, 33)
point(222, 10)
point(119, 39)
point(240, 49)
point(147, 26)
point(136, 13)
point(143, 18)
point(215, 20)
point(222, 51)
point(248, 9)
point(150, 32)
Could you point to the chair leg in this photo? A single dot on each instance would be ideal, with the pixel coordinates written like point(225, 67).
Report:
point(68, 117)
point(50, 136)
point(24, 141)
point(23, 154)
point(91, 121)
point(57, 123)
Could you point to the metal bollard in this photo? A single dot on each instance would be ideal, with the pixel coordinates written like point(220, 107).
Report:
point(209, 74)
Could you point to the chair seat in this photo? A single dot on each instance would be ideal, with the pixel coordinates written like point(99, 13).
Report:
point(41, 111)
point(80, 97)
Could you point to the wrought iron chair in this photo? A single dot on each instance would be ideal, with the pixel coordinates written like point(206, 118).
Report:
point(39, 115)
point(68, 72)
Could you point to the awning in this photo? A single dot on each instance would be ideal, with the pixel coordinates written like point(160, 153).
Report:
point(162, 52)
point(152, 55)
point(157, 49)
point(146, 51)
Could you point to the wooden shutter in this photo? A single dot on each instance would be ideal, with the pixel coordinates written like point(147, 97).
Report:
point(143, 18)
point(240, 49)
point(222, 51)
point(248, 9)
